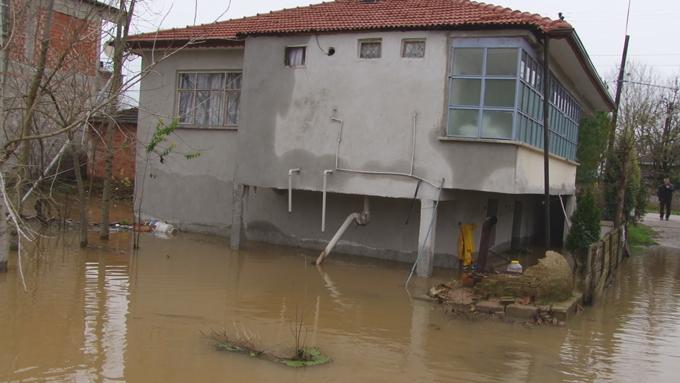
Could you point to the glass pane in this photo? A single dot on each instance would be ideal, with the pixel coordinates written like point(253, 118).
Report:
point(234, 80)
point(232, 108)
point(210, 81)
point(463, 122)
point(468, 61)
point(465, 92)
point(370, 49)
point(413, 49)
point(295, 56)
point(185, 107)
point(497, 124)
point(501, 62)
point(187, 80)
point(500, 93)
point(208, 108)
point(215, 115)
point(216, 81)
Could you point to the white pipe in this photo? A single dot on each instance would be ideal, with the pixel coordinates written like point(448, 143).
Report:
point(336, 237)
point(413, 143)
point(360, 218)
point(413, 156)
point(290, 187)
point(372, 172)
point(323, 203)
point(337, 149)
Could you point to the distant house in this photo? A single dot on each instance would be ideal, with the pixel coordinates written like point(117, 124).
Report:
point(437, 102)
point(72, 63)
point(124, 145)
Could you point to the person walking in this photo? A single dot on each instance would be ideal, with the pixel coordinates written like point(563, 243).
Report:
point(665, 194)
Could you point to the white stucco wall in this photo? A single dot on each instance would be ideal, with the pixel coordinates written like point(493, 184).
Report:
point(287, 114)
point(195, 194)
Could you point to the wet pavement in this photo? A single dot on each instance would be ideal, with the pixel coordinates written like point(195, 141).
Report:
point(668, 232)
point(105, 314)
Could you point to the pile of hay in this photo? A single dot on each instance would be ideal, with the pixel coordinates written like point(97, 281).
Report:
point(548, 281)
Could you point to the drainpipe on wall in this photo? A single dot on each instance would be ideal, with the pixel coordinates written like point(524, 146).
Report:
point(290, 187)
point(546, 138)
point(337, 149)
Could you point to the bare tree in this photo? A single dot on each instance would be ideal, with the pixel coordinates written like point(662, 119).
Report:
point(119, 49)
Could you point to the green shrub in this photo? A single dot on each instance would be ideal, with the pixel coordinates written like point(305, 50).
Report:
point(585, 223)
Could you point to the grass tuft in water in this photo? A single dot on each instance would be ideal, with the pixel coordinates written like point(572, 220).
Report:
point(245, 342)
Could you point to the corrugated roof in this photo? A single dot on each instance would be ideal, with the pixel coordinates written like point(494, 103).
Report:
point(354, 15)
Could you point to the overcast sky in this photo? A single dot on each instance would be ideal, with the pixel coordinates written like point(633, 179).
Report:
point(601, 24)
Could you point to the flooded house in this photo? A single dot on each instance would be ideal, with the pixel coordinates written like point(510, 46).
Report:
point(385, 124)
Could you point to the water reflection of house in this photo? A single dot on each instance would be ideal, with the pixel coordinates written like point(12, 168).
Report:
point(390, 99)
point(124, 139)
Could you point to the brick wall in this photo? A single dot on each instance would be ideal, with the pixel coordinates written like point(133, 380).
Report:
point(124, 155)
point(74, 41)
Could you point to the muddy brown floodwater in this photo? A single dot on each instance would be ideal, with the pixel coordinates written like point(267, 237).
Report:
point(104, 314)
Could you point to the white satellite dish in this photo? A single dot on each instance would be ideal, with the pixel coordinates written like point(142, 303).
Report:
point(108, 50)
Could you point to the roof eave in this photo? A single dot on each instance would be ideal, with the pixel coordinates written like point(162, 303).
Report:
point(583, 57)
point(184, 43)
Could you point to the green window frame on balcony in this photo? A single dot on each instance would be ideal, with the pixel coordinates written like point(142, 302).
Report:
point(482, 92)
point(496, 92)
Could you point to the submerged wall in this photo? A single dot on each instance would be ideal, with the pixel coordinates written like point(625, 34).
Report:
point(388, 235)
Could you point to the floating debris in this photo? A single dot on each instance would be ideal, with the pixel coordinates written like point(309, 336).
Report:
point(244, 344)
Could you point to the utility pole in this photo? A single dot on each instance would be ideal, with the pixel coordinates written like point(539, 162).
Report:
point(623, 176)
point(617, 101)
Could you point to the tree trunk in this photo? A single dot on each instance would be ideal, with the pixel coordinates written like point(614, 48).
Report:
point(108, 175)
point(122, 29)
point(82, 196)
point(31, 99)
point(4, 240)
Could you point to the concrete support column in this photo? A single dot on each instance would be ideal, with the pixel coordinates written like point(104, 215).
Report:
point(236, 216)
point(426, 238)
point(570, 208)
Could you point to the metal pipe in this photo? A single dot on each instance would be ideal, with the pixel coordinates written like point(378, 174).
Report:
point(323, 202)
point(413, 142)
point(337, 149)
point(360, 218)
point(546, 139)
point(290, 187)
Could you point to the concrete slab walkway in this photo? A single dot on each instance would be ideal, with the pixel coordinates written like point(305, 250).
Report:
point(668, 231)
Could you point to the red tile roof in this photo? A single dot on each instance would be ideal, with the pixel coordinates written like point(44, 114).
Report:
point(356, 15)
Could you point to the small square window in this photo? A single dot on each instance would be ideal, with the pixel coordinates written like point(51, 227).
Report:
point(370, 49)
point(413, 48)
point(295, 56)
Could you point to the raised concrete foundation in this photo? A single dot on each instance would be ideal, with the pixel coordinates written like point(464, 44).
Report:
point(426, 237)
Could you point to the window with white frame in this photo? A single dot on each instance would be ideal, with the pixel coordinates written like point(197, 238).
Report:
point(482, 87)
point(208, 99)
point(295, 56)
point(413, 48)
point(370, 48)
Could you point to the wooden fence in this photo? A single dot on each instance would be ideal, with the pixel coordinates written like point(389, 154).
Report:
point(602, 260)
